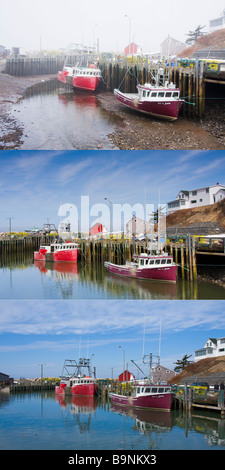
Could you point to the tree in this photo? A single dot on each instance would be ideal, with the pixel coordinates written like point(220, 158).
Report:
point(194, 35)
point(182, 363)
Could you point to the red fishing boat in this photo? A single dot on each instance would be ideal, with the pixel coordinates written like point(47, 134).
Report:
point(151, 267)
point(58, 252)
point(158, 101)
point(157, 397)
point(84, 385)
point(82, 78)
point(77, 383)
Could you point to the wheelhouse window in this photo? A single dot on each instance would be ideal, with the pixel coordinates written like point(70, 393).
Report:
point(151, 261)
point(175, 94)
point(153, 94)
point(161, 94)
point(168, 94)
point(163, 261)
point(169, 261)
point(157, 261)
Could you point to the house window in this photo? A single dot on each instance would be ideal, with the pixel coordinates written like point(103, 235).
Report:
point(194, 193)
point(207, 190)
point(193, 201)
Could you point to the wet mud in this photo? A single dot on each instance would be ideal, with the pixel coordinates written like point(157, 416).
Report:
point(134, 130)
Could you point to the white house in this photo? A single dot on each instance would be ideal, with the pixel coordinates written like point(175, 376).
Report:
point(171, 47)
point(217, 23)
point(138, 226)
point(197, 197)
point(212, 348)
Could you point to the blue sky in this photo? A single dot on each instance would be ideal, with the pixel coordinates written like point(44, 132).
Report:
point(38, 332)
point(33, 184)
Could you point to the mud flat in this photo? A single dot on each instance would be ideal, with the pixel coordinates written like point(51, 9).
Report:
point(12, 89)
point(141, 132)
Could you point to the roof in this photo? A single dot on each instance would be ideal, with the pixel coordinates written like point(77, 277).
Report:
point(214, 340)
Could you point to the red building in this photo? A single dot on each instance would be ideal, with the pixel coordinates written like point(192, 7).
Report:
point(97, 228)
point(132, 49)
point(126, 376)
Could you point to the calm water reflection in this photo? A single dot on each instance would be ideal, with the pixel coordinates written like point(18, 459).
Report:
point(22, 278)
point(42, 421)
point(56, 118)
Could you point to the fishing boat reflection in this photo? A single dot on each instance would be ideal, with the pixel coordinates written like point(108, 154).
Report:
point(79, 99)
point(79, 407)
point(62, 269)
point(144, 289)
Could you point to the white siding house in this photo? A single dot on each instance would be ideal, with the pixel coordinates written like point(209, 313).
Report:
point(212, 348)
point(217, 23)
point(197, 198)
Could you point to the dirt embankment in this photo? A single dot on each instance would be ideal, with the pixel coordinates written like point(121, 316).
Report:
point(204, 367)
point(212, 41)
point(212, 213)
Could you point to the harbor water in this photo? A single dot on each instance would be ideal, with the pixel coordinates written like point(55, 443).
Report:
point(54, 117)
point(41, 421)
point(22, 278)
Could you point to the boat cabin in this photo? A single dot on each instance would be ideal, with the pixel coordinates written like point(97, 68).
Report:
point(151, 389)
point(80, 72)
point(152, 93)
point(82, 381)
point(63, 246)
point(151, 262)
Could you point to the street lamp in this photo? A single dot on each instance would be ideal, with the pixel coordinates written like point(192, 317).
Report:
point(126, 16)
point(123, 362)
point(111, 228)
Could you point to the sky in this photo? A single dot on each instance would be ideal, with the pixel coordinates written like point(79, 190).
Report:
point(35, 184)
point(53, 25)
point(34, 333)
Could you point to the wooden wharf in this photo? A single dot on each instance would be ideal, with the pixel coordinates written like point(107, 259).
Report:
point(186, 250)
point(32, 387)
point(197, 79)
point(189, 397)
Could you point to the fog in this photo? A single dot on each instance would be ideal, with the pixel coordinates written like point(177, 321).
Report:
point(54, 24)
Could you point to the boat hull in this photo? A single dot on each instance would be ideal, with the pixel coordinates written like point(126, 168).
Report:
point(166, 274)
point(86, 83)
point(84, 389)
point(38, 256)
point(62, 77)
point(161, 401)
point(66, 255)
point(167, 110)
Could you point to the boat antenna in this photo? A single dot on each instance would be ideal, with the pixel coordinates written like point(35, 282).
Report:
point(144, 338)
point(160, 331)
